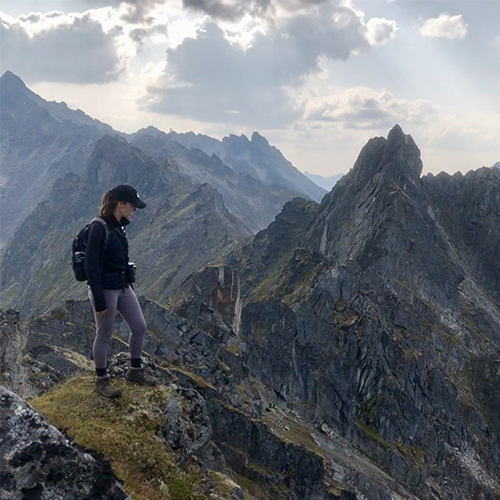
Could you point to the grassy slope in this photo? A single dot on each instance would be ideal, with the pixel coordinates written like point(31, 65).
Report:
point(124, 431)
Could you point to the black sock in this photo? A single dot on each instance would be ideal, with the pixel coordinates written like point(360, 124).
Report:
point(100, 372)
point(135, 362)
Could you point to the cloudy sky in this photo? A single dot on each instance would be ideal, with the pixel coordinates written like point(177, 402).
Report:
point(318, 78)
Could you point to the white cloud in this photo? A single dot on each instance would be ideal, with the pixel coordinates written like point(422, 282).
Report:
point(365, 108)
point(444, 26)
point(213, 78)
point(380, 31)
point(59, 47)
point(138, 11)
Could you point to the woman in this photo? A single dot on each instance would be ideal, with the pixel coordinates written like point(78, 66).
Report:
point(106, 266)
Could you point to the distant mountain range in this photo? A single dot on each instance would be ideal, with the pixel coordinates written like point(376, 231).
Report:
point(56, 163)
point(42, 141)
point(254, 157)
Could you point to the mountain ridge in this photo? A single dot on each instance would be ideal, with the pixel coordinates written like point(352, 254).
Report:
point(377, 288)
point(181, 216)
point(42, 141)
point(254, 156)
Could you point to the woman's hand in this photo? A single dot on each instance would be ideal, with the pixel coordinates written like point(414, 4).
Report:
point(102, 313)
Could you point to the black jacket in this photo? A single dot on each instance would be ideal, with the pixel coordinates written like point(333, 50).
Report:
point(106, 265)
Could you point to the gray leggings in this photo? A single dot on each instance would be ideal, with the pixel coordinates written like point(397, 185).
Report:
point(123, 301)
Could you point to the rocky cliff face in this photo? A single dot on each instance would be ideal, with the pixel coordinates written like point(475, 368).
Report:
point(211, 300)
point(380, 307)
point(206, 420)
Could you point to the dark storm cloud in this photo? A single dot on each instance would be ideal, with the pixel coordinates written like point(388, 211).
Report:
point(79, 52)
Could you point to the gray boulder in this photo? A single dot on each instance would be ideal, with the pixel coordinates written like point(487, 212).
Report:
point(38, 462)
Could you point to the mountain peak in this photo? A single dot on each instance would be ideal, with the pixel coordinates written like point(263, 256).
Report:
point(10, 81)
point(396, 158)
point(259, 139)
point(396, 134)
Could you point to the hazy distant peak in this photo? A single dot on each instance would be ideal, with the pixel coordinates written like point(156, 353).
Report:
point(150, 130)
point(10, 81)
point(59, 111)
point(233, 138)
point(259, 139)
point(496, 165)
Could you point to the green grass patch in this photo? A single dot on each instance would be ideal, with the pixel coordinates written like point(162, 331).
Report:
point(125, 431)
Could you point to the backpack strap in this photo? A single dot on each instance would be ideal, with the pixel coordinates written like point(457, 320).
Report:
point(104, 223)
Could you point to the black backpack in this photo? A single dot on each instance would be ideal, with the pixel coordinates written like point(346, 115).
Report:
point(79, 247)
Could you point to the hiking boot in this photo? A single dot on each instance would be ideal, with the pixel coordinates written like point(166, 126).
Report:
point(105, 388)
point(139, 376)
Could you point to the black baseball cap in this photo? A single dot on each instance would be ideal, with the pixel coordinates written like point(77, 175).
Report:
point(128, 194)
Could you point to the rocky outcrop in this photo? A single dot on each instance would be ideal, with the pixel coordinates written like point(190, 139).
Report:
point(378, 307)
point(211, 300)
point(38, 462)
point(13, 335)
point(30, 364)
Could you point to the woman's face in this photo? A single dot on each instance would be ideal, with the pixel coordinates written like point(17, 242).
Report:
point(126, 209)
